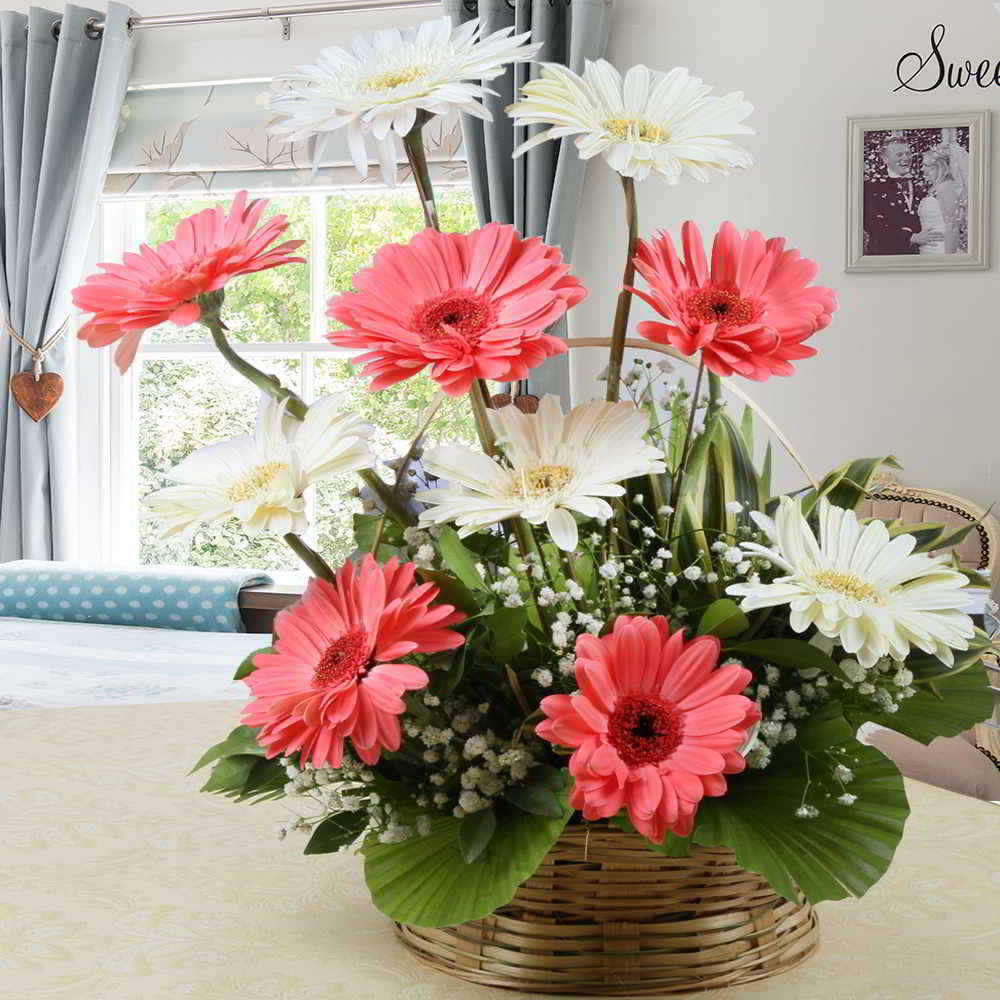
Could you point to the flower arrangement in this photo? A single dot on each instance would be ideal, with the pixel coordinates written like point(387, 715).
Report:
point(600, 615)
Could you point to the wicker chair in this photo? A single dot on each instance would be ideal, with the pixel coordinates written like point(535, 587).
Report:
point(964, 762)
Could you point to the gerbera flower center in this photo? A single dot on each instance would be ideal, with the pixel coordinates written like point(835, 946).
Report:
point(395, 78)
point(541, 481)
point(457, 314)
point(645, 729)
point(714, 305)
point(255, 481)
point(846, 585)
point(345, 659)
point(636, 129)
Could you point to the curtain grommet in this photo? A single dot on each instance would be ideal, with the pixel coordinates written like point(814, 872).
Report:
point(56, 29)
point(93, 29)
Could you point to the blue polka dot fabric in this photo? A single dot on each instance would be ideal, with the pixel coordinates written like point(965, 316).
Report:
point(182, 598)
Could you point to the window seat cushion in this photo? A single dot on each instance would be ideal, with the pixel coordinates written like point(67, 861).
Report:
point(172, 597)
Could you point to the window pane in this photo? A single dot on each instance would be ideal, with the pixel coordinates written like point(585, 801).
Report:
point(359, 222)
point(185, 404)
point(271, 306)
point(395, 413)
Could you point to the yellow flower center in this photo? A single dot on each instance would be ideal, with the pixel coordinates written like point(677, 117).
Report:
point(394, 78)
point(256, 480)
point(636, 128)
point(542, 481)
point(846, 585)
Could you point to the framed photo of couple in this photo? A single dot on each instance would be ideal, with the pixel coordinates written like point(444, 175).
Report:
point(918, 192)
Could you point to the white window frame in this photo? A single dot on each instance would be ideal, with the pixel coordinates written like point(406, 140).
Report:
point(108, 501)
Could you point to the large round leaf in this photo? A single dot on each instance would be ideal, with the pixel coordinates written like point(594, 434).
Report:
point(426, 881)
point(841, 852)
point(946, 706)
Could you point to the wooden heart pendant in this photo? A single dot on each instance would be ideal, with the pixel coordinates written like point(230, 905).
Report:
point(37, 398)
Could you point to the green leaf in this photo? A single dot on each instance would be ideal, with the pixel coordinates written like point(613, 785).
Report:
point(242, 740)
point(445, 682)
point(843, 851)
point(337, 832)
point(542, 793)
point(741, 479)
point(476, 832)
point(948, 539)
point(585, 571)
point(451, 590)
point(848, 484)
point(230, 775)
point(459, 559)
point(679, 414)
point(746, 429)
point(765, 472)
point(692, 543)
point(927, 668)
point(724, 619)
point(426, 881)
point(506, 627)
point(267, 780)
point(786, 653)
point(963, 699)
point(248, 666)
point(365, 529)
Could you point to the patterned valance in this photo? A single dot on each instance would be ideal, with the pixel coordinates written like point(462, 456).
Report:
point(214, 138)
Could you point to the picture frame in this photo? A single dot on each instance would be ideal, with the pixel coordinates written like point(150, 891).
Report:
point(918, 192)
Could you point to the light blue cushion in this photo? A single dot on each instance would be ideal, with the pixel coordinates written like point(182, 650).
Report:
point(175, 597)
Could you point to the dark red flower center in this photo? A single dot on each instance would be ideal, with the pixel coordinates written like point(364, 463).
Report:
point(458, 314)
point(714, 305)
point(645, 729)
point(345, 659)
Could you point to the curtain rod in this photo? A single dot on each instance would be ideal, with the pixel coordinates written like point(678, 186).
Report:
point(282, 13)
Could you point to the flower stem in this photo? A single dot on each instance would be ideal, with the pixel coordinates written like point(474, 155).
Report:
point(480, 410)
point(620, 327)
point(413, 143)
point(525, 536)
point(390, 501)
point(675, 493)
point(267, 383)
point(314, 561)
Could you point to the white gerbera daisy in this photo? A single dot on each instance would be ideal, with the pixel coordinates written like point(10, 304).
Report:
point(649, 122)
point(384, 81)
point(260, 478)
point(859, 586)
point(556, 464)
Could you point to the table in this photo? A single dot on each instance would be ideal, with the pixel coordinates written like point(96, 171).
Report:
point(119, 881)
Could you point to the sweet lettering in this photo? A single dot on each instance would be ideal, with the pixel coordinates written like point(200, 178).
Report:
point(921, 73)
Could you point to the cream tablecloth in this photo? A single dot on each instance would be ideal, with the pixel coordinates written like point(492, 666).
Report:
point(120, 882)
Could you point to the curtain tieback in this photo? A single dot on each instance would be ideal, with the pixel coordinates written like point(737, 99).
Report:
point(38, 353)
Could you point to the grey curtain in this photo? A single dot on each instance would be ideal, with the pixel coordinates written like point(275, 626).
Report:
point(539, 192)
point(59, 112)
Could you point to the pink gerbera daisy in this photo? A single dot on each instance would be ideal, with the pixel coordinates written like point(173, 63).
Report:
point(655, 727)
point(470, 305)
point(335, 673)
point(153, 286)
point(749, 313)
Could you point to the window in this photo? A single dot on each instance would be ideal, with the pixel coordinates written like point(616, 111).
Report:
point(180, 394)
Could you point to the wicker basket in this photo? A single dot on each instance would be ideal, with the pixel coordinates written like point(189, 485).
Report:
point(604, 915)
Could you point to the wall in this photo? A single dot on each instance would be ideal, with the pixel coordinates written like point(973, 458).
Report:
point(910, 363)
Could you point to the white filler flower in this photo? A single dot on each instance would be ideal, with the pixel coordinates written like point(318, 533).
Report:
point(648, 122)
point(556, 464)
point(380, 85)
point(260, 478)
point(859, 586)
